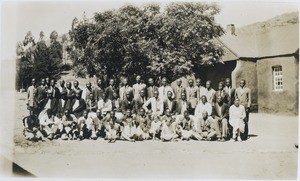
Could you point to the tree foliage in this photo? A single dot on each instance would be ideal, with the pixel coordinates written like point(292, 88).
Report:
point(146, 40)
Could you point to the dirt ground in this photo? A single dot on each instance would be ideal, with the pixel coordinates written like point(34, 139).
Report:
point(268, 154)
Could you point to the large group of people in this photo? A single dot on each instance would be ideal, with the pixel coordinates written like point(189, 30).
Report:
point(138, 112)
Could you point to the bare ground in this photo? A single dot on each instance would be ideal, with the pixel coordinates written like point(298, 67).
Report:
point(268, 154)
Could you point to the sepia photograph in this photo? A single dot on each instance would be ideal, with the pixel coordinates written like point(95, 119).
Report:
point(149, 90)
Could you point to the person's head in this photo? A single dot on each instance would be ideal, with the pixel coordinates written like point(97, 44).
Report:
point(191, 82)
point(43, 82)
point(69, 85)
point(78, 94)
point(85, 113)
point(204, 114)
point(142, 93)
point(99, 82)
point(115, 95)
point(142, 112)
point(128, 112)
point(111, 82)
point(47, 80)
point(164, 81)
point(228, 82)
point(67, 113)
point(112, 114)
point(203, 99)
point(91, 96)
point(98, 113)
point(179, 82)
point(33, 82)
point(168, 122)
point(125, 81)
point(220, 86)
point(151, 81)
point(75, 83)
point(242, 83)
point(183, 96)
point(62, 83)
point(88, 85)
point(52, 83)
point(219, 100)
point(167, 112)
point(198, 82)
point(208, 84)
point(128, 95)
point(237, 102)
point(169, 95)
point(138, 79)
point(156, 94)
point(49, 94)
point(186, 114)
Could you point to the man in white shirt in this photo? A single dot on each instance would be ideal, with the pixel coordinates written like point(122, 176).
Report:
point(203, 106)
point(237, 115)
point(208, 92)
point(156, 103)
point(137, 87)
point(164, 88)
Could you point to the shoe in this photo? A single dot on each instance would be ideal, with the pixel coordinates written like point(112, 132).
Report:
point(208, 139)
point(219, 139)
point(239, 139)
point(222, 140)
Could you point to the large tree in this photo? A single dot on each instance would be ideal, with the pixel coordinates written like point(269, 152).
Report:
point(145, 40)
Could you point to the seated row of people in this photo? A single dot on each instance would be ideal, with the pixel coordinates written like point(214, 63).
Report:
point(133, 126)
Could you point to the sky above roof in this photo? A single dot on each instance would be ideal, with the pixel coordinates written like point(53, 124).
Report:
point(19, 17)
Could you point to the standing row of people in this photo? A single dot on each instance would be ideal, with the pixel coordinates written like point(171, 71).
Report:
point(99, 103)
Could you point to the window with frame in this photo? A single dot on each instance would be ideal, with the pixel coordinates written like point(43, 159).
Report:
point(277, 78)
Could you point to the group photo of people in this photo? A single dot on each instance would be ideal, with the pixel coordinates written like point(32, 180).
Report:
point(62, 110)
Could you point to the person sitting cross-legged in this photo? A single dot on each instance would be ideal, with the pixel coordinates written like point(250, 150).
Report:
point(68, 126)
point(185, 127)
point(126, 132)
point(142, 128)
point(32, 128)
point(207, 127)
point(49, 124)
point(86, 127)
point(113, 127)
point(168, 130)
point(155, 127)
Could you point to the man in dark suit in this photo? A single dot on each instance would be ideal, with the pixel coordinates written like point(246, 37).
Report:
point(128, 103)
point(221, 92)
point(139, 102)
point(170, 103)
point(230, 91)
point(183, 105)
point(111, 89)
point(220, 113)
point(151, 88)
point(50, 102)
point(41, 94)
point(78, 105)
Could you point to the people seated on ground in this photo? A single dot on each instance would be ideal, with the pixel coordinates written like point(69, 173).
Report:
point(68, 127)
point(142, 125)
point(164, 88)
point(78, 105)
point(151, 88)
point(220, 114)
point(237, 115)
point(207, 126)
point(183, 105)
point(156, 104)
point(155, 127)
point(128, 128)
point(168, 130)
point(191, 94)
point(185, 127)
point(86, 127)
point(49, 124)
point(170, 103)
point(113, 127)
point(221, 92)
point(32, 128)
point(86, 91)
point(137, 87)
point(203, 106)
point(99, 124)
